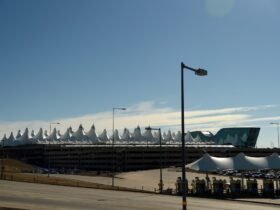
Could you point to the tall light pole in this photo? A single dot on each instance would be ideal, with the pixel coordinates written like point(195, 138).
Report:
point(160, 157)
point(51, 123)
point(277, 124)
point(199, 72)
point(2, 160)
point(113, 142)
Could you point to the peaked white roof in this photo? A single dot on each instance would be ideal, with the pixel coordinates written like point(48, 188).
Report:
point(126, 135)
point(8, 141)
point(32, 135)
point(79, 134)
point(239, 162)
point(167, 137)
point(18, 134)
point(188, 137)
point(148, 135)
point(24, 136)
point(21, 139)
point(137, 136)
point(67, 135)
point(4, 138)
point(116, 135)
point(156, 137)
point(178, 136)
point(11, 137)
point(92, 136)
point(53, 136)
point(39, 135)
point(103, 136)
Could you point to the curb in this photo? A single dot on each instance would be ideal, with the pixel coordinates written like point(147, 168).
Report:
point(257, 202)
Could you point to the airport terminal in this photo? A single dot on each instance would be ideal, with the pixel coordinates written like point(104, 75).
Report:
point(88, 151)
point(225, 153)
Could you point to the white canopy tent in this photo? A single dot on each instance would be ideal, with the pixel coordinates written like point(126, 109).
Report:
point(239, 162)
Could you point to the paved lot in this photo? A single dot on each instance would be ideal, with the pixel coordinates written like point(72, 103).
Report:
point(38, 196)
point(148, 179)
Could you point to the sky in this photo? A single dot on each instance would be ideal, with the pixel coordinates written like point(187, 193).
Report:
point(72, 61)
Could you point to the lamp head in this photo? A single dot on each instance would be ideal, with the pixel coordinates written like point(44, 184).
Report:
point(119, 108)
point(201, 72)
point(148, 128)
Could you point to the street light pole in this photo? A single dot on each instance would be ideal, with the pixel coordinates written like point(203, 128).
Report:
point(277, 124)
point(160, 157)
point(113, 142)
point(184, 193)
point(199, 72)
point(2, 160)
point(51, 123)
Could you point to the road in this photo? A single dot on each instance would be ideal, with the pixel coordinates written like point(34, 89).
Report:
point(41, 197)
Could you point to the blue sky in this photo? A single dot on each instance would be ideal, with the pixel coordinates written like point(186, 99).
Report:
point(72, 61)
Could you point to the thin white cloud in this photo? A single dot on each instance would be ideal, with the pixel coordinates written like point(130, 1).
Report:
point(261, 119)
point(149, 113)
point(228, 110)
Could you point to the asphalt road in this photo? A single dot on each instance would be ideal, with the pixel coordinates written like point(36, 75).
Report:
point(39, 196)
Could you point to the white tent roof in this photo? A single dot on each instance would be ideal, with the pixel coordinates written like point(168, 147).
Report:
point(167, 137)
point(4, 138)
point(103, 136)
point(67, 135)
point(137, 136)
point(147, 135)
point(178, 136)
point(10, 140)
point(92, 136)
point(11, 137)
point(79, 134)
point(24, 136)
point(116, 135)
point(39, 136)
point(18, 134)
point(126, 135)
point(156, 137)
point(32, 135)
point(53, 136)
point(188, 137)
point(239, 162)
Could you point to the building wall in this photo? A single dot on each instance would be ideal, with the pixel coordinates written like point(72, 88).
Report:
point(122, 158)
